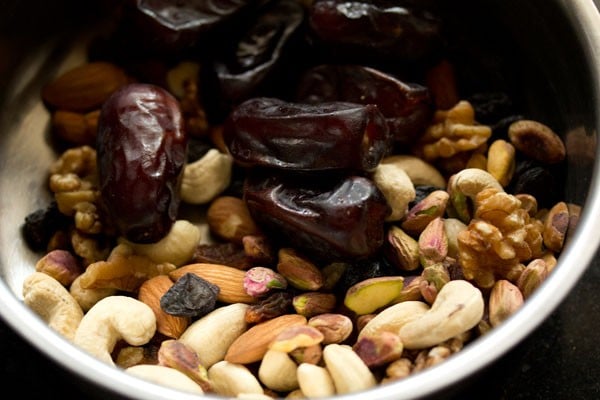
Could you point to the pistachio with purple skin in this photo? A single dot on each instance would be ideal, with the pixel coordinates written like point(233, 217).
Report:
point(260, 280)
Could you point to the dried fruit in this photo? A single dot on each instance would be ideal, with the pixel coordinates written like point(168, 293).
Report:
point(272, 133)
point(229, 280)
point(140, 130)
point(190, 296)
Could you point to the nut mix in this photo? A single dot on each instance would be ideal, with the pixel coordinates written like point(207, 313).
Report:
point(262, 226)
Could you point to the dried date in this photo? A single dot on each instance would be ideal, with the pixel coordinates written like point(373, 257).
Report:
point(174, 25)
point(259, 51)
point(142, 150)
point(332, 219)
point(273, 133)
point(386, 29)
point(407, 107)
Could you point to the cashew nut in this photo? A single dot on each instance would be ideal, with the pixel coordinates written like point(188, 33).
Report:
point(277, 371)
point(315, 381)
point(206, 178)
point(88, 297)
point(229, 379)
point(465, 184)
point(176, 248)
point(348, 372)
point(112, 319)
point(165, 376)
point(396, 187)
point(211, 335)
point(418, 170)
point(394, 317)
point(49, 299)
point(457, 308)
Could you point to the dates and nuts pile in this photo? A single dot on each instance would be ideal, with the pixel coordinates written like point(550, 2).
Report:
point(289, 199)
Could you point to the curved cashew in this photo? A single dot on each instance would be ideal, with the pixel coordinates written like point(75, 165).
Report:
point(112, 319)
point(206, 178)
point(348, 371)
point(277, 371)
point(49, 299)
point(315, 381)
point(176, 248)
point(396, 187)
point(467, 184)
point(418, 170)
point(394, 317)
point(211, 335)
point(457, 308)
point(88, 297)
point(165, 376)
point(229, 379)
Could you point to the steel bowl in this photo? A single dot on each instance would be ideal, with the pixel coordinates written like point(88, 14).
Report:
point(556, 47)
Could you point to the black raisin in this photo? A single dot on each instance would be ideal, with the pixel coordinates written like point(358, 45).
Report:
point(40, 226)
point(190, 296)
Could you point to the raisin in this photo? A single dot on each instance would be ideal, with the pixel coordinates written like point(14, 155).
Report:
point(190, 296)
point(539, 181)
point(40, 226)
point(142, 149)
point(407, 107)
point(491, 107)
point(274, 305)
point(273, 133)
point(422, 191)
point(230, 254)
point(332, 219)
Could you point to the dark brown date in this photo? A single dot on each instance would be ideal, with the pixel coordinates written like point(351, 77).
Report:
point(141, 154)
point(390, 29)
point(407, 107)
point(307, 137)
point(178, 24)
point(258, 52)
point(335, 219)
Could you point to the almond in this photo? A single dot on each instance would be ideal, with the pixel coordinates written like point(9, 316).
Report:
point(252, 345)
point(76, 128)
point(150, 293)
point(229, 280)
point(229, 218)
point(84, 88)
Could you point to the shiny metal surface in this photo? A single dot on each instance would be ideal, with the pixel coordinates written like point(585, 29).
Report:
point(562, 39)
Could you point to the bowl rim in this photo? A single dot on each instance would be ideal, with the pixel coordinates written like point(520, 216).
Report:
point(585, 18)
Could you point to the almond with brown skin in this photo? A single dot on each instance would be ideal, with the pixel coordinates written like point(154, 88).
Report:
point(84, 88)
point(150, 293)
point(229, 280)
point(75, 128)
point(252, 345)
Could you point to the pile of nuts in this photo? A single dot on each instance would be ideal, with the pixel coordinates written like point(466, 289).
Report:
point(219, 305)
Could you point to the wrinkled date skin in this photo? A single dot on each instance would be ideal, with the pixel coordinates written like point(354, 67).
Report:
point(259, 50)
point(331, 219)
point(406, 106)
point(390, 29)
point(142, 150)
point(179, 23)
point(269, 132)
